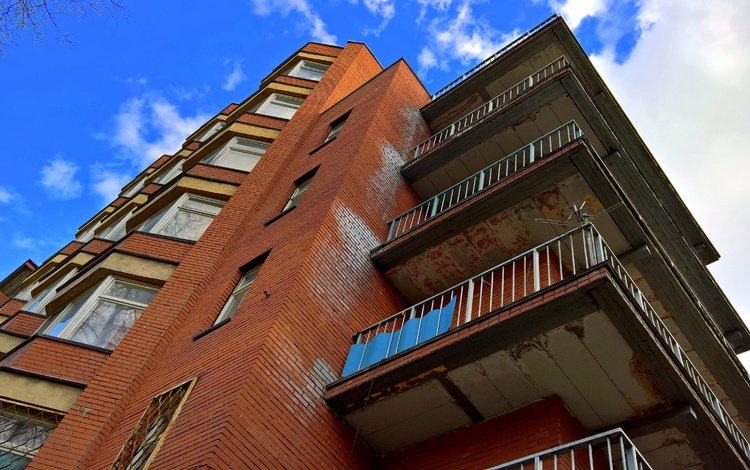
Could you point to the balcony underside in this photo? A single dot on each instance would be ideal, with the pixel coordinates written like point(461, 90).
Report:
point(500, 222)
point(582, 340)
point(538, 51)
point(550, 104)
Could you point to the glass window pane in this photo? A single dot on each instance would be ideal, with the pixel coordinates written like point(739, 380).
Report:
point(61, 321)
point(202, 206)
point(106, 325)
point(187, 225)
point(131, 292)
point(150, 223)
point(309, 70)
point(239, 161)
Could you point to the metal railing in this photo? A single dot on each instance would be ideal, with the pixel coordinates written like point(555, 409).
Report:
point(489, 60)
point(485, 178)
point(545, 265)
point(608, 450)
point(491, 107)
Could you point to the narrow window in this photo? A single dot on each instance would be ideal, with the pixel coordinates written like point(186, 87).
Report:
point(23, 430)
point(102, 316)
point(170, 174)
point(116, 231)
point(186, 218)
point(336, 127)
point(152, 429)
point(308, 70)
point(299, 191)
point(40, 300)
point(134, 188)
point(278, 105)
point(211, 132)
point(230, 308)
point(238, 153)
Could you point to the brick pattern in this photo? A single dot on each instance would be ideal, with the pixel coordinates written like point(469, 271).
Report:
point(57, 359)
point(3, 298)
point(262, 121)
point(119, 202)
point(522, 432)
point(294, 81)
point(23, 323)
point(96, 246)
point(154, 246)
point(71, 247)
point(216, 173)
point(11, 307)
point(322, 49)
point(228, 110)
point(151, 188)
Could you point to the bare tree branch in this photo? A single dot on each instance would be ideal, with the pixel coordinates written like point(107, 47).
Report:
point(17, 16)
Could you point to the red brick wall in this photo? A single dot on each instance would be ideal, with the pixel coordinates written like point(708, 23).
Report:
point(262, 121)
point(322, 49)
point(23, 323)
point(11, 307)
point(216, 173)
point(528, 430)
point(154, 246)
point(97, 246)
point(258, 400)
point(71, 247)
point(56, 359)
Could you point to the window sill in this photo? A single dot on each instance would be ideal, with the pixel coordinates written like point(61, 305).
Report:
point(322, 145)
point(210, 329)
point(279, 215)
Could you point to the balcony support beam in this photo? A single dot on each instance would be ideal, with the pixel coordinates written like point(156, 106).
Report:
point(461, 400)
point(634, 255)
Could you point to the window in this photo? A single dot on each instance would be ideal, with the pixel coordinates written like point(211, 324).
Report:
point(116, 231)
point(102, 316)
point(186, 218)
point(40, 300)
point(230, 308)
point(25, 293)
point(134, 189)
point(211, 132)
point(309, 70)
point(302, 185)
point(238, 153)
point(22, 432)
point(280, 106)
point(170, 174)
point(336, 127)
point(152, 429)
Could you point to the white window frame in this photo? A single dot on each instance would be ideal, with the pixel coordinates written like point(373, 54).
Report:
point(315, 67)
point(212, 131)
point(108, 233)
point(167, 214)
point(136, 188)
point(43, 298)
point(25, 293)
point(238, 294)
point(170, 174)
point(86, 308)
point(279, 100)
point(241, 145)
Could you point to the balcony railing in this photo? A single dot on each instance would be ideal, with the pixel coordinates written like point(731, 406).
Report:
point(485, 178)
point(611, 450)
point(489, 108)
point(543, 266)
point(489, 60)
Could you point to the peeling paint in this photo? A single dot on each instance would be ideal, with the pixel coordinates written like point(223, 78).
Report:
point(640, 374)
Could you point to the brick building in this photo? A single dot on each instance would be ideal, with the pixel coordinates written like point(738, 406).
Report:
point(343, 271)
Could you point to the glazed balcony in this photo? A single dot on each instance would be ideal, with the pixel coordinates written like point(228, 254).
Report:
point(485, 179)
point(565, 318)
point(612, 450)
point(490, 108)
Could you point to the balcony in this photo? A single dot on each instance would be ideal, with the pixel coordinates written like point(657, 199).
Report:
point(485, 178)
point(565, 318)
point(611, 449)
point(490, 108)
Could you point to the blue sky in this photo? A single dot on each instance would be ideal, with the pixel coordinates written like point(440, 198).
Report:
point(79, 120)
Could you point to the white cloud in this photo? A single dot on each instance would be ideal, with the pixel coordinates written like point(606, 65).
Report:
point(455, 34)
point(384, 9)
point(684, 86)
point(313, 24)
point(149, 126)
point(6, 195)
point(59, 179)
point(235, 76)
point(108, 181)
point(575, 11)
